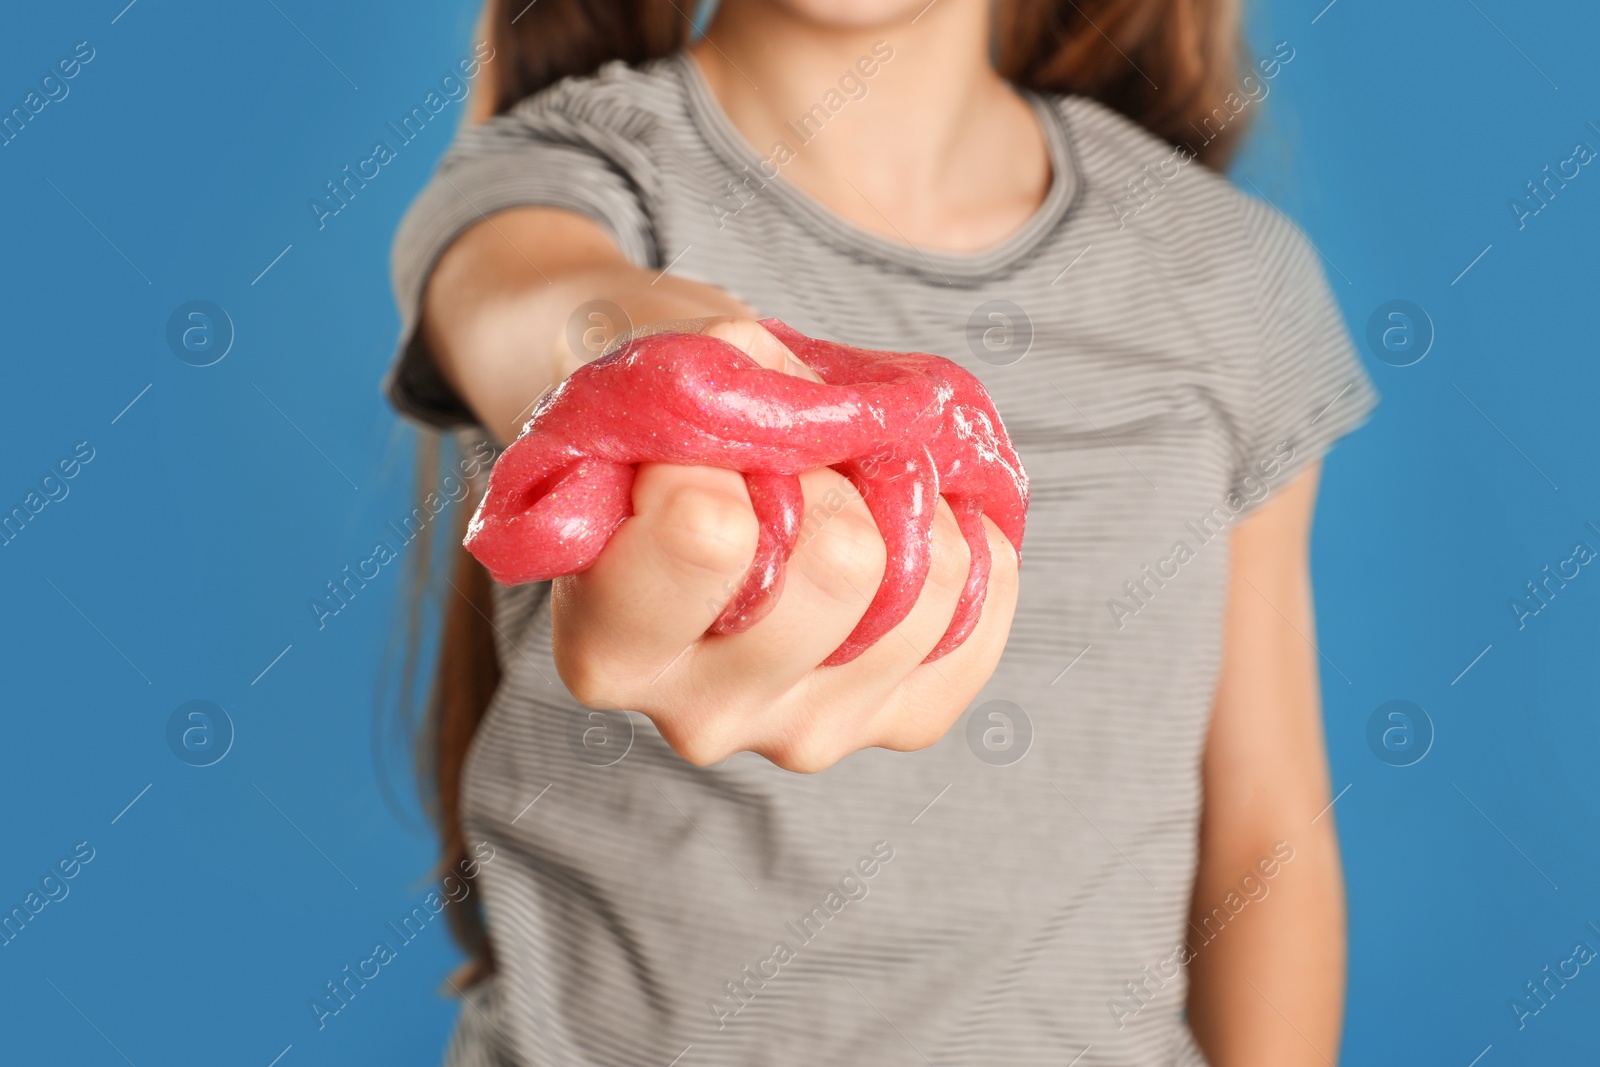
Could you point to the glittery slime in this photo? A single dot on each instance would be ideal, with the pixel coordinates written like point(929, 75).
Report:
point(904, 428)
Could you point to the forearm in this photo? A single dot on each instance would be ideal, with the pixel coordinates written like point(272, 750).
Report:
point(503, 305)
point(1267, 923)
point(1267, 931)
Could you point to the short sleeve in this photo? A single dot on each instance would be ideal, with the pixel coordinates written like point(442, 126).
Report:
point(1309, 386)
point(568, 147)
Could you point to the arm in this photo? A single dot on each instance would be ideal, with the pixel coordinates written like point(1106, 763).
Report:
point(496, 308)
point(1267, 988)
point(631, 630)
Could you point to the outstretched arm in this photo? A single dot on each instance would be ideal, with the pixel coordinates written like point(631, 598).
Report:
point(631, 631)
point(1267, 980)
point(499, 302)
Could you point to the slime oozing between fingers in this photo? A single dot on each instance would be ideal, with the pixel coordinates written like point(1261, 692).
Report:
point(904, 428)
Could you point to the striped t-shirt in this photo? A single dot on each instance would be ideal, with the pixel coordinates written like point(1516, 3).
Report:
point(1165, 354)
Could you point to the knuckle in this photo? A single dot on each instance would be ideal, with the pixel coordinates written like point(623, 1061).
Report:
point(805, 748)
point(950, 559)
point(800, 758)
point(1003, 566)
point(695, 746)
point(923, 733)
point(914, 731)
point(587, 675)
point(745, 334)
point(846, 557)
point(589, 666)
point(708, 527)
point(701, 739)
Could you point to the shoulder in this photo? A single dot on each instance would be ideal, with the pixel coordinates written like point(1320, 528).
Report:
point(1134, 177)
point(627, 100)
point(624, 117)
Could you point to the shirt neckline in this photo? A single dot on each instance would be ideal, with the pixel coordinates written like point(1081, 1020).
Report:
point(943, 267)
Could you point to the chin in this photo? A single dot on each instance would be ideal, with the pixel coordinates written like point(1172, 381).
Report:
point(853, 14)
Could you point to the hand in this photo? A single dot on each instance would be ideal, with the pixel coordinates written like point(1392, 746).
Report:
point(630, 632)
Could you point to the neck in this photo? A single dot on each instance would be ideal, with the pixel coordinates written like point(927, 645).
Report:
point(899, 114)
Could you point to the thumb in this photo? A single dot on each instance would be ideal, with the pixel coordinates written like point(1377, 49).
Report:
point(753, 339)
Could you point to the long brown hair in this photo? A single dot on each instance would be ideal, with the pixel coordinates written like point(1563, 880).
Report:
point(1165, 64)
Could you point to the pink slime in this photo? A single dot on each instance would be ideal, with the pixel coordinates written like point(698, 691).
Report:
point(904, 428)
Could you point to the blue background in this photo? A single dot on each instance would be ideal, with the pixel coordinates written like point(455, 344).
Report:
point(181, 563)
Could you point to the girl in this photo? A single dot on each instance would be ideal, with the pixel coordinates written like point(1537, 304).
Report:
point(1120, 854)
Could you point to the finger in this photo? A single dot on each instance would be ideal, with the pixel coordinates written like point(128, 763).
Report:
point(969, 514)
point(906, 645)
point(754, 675)
point(754, 340)
point(649, 329)
point(778, 501)
point(898, 493)
point(933, 696)
point(662, 579)
point(837, 562)
point(840, 703)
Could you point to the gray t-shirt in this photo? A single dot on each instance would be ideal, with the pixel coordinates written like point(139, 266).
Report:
point(1165, 354)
